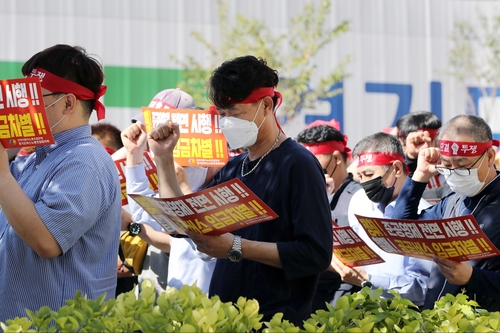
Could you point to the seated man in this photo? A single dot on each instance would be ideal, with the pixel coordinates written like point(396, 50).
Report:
point(330, 148)
point(382, 173)
point(466, 158)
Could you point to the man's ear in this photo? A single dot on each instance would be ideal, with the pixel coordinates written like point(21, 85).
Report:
point(70, 101)
point(491, 154)
point(338, 157)
point(399, 168)
point(268, 105)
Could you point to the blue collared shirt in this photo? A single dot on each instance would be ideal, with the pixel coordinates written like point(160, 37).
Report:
point(75, 188)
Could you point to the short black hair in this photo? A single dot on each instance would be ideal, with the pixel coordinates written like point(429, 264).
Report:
point(237, 78)
point(321, 133)
point(71, 63)
point(107, 134)
point(412, 121)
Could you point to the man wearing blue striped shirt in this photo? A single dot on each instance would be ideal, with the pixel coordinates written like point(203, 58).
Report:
point(61, 209)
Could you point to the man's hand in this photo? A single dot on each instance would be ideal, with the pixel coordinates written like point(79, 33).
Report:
point(427, 159)
point(416, 141)
point(354, 275)
point(134, 137)
point(134, 140)
point(214, 246)
point(330, 184)
point(162, 139)
point(458, 273)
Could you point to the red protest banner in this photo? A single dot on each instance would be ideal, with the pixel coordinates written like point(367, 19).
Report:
point(214, 211)
point(151, 173)
point(459, 238)
point(201, 143)
point(351, 249)
point(23, 121)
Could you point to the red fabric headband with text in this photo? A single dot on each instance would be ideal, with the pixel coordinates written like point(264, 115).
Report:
point(56, 83)
point(327, 147)
point(458, 148)
point(378, 158)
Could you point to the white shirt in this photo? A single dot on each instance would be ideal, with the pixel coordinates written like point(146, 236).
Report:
point(186, 265)
point(409, 276)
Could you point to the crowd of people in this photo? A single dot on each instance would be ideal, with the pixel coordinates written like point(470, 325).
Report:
point(62, 214)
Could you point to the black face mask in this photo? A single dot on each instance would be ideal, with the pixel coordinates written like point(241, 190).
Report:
point(377, 192)
point(326, 172)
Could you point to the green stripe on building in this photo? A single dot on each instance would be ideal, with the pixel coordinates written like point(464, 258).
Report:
point(10, 69)
point(127, 86)
point(135, 87)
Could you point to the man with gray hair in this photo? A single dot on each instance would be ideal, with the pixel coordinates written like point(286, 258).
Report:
point(382, 173)
point(466, 158)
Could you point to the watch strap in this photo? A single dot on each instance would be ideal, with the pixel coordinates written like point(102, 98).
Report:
point(237, 243)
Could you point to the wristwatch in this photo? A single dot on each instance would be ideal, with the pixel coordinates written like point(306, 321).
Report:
point(235, 253)
point(134, 228)
point(367, 282)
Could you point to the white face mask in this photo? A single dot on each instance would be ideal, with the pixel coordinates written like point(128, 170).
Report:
point(48, 106)
point(240, 133)
point(466, 185)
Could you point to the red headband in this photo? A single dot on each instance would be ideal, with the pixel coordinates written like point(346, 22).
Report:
point(259, 94)
point(378, 158)
point(56, 83)
point(327, 147)
point(332, 123)
point(109, 150)
point(458, 148)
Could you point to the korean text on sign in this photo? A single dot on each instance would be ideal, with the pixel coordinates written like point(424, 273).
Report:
point(459, 238)
point(23, 121)
point(201, 142)
point(351, 249)
point(223, 208)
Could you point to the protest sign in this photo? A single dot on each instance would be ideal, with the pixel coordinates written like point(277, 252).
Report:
point(214, 211)
point(201, 142)
point(151, 173)
point(351, 249)
point(458, 238)
point(23, 121)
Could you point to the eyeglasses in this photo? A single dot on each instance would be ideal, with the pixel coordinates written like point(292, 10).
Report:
point(52, 94)
point(463, 172)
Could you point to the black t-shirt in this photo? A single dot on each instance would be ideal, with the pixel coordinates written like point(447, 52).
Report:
point(291, 182)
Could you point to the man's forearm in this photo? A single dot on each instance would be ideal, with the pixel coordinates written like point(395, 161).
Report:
point(158, 239)
point(263, 252)
point(168, 186)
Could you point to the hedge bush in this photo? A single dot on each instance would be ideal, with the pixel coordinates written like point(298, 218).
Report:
point(189, 310)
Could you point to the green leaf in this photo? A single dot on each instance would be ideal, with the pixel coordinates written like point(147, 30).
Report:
point(355, 330)
point(309, 328)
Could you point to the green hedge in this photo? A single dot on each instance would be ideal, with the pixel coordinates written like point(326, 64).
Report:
point(189, 310)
